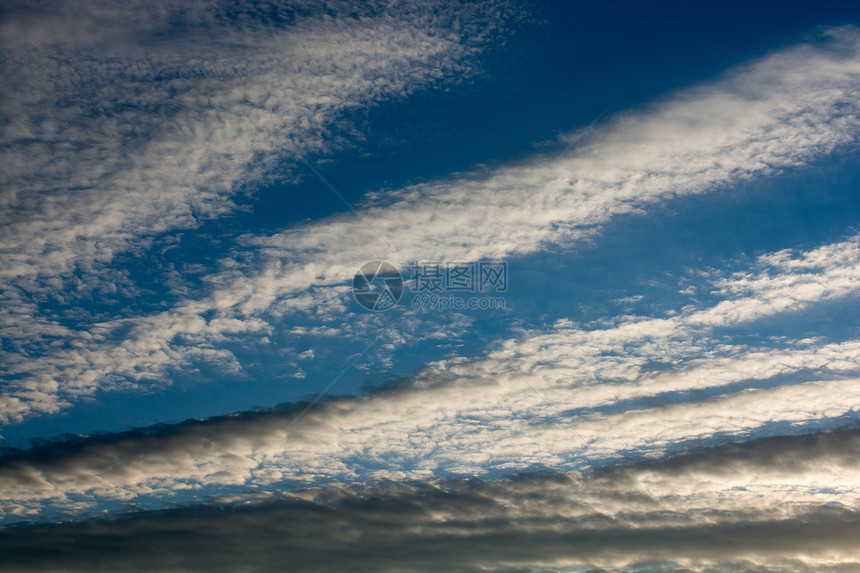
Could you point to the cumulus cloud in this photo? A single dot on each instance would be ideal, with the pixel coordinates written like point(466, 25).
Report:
point(777, 504)
point(782, 111)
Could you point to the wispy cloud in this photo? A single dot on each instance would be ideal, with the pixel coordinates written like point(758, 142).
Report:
point(567, 398)
point(782, 111)
point(777, 504)
point(111, 138)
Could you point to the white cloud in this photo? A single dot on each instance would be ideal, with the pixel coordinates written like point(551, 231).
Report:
point(115, 133)
point(566, 398)
point(752, 122)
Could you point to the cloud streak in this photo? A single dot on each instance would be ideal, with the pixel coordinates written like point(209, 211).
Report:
point(780, 112)
point(721, 435)
point(777, 504)
point(111, 139)
point(568, 398)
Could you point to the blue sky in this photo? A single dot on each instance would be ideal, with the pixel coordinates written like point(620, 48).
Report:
point(670, 189)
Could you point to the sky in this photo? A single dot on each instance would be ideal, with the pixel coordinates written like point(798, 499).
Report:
point(504, 286)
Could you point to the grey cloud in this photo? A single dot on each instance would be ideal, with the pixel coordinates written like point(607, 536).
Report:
point(789, 455)
point(474, 418)
point(542, 521)
point(545, 399)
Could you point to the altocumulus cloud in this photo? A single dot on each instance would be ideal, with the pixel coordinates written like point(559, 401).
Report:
point(569, 398)
point(134, 120)
point(784, 110)
point(112, 136)
point(670, 442)
point(774, 504)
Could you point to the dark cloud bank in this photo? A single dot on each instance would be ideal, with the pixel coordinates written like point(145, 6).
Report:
point(546, 520)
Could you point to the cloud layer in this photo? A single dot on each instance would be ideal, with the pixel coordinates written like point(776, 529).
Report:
point(111, 136)
point(116, 134)
point(777, 504)
point(783, 111)
point(568, 398)
point(719, 435)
